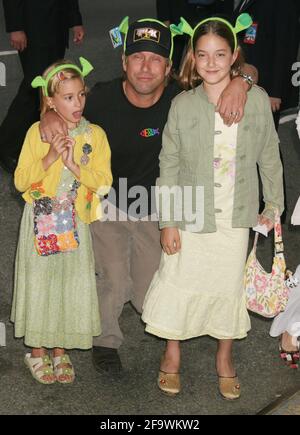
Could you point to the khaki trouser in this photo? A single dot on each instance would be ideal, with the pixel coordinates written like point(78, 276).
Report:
point(127, 254)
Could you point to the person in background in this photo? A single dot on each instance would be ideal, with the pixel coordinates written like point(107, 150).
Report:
point(39, 30)
point(271, 45)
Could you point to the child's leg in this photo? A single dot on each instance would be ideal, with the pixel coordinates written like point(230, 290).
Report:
point(63, 367)
point(170, 362)
point(224, 363)
point(229, 386)
point(168, 377)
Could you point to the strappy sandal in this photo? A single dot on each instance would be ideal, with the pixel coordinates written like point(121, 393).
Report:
point(290, 357)
point(169, 383)
point(40, 367)
point(229, 387)
point(63, 367)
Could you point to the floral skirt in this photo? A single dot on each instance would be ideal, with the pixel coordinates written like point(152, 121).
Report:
point(55, 300)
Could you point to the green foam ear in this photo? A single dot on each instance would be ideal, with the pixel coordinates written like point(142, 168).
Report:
point(87, 67)
point(38, 82)
point(175, 30)
point(243, 22)
point(184, 27)
point(124, 26)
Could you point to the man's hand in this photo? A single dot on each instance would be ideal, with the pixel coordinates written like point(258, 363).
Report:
point(52, 124)
point(18, 40)
point(170, 240)
point(232, 102)
point(275, 104)
point(78, 34)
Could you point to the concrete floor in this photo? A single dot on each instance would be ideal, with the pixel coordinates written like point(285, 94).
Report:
point(264, 378)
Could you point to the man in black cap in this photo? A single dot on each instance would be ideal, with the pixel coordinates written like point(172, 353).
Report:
point(133, 111)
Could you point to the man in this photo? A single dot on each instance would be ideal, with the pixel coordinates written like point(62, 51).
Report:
point(39, 30)
point(271, 45)
point(133, 112)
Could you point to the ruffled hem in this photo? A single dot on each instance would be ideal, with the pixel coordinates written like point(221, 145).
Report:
point(175, 314)
point(64, 341)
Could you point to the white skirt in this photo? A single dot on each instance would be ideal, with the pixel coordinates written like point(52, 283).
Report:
point(199, 291)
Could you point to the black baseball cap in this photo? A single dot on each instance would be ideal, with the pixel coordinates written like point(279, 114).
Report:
point(149, 35)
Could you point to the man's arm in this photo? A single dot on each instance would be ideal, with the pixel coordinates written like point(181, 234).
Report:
point(75, 18)
point(14, 21)
point(14, 15)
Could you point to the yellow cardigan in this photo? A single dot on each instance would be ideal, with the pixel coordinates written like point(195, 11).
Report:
point(95, 176)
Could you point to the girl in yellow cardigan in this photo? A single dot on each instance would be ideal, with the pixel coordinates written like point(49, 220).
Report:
point(55, 302)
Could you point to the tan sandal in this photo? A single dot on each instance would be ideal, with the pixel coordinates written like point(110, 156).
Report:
point(40, 367)
point(63, 367)
point(230, 388)
point(169, 383)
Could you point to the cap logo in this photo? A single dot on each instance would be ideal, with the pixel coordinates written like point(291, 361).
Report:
point(146, 34)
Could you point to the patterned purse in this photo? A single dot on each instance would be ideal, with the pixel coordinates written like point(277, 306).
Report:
point(267, 293)
point(55, 227)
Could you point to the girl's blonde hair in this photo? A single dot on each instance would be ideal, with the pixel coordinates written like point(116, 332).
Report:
point(54, 82)
point(188, 76)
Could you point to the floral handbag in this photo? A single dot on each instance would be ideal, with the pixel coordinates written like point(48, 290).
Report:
point(55, 227)
point(267, 293)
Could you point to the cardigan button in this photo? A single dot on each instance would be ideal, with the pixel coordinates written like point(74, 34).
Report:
point(217, 132)
point(242, 180)
point(218, 185)
point(218, 210)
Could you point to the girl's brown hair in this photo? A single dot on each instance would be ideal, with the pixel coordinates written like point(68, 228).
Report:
point(54, 82)
point(189, 77)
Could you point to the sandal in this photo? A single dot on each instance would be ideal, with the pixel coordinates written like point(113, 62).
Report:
point(63, 367)
point(229, 387)
point(40, 367)
point(290, 357)
point(169, 383)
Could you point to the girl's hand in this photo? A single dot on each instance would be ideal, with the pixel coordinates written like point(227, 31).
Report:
point(262, 220)
point(68, 157)
point(170, 240)
point(57, 147)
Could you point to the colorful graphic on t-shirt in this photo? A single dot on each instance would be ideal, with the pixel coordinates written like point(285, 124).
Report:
point(150, 132)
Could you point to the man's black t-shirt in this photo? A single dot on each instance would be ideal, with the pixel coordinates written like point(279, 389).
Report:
point(134, 134)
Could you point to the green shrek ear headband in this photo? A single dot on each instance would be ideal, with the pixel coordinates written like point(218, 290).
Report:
point(243, 22)
point(175, 30)
point(40, 82)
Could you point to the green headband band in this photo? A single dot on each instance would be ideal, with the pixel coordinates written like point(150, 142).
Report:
point(243, 22)
point(40, 82)
point(175, 30)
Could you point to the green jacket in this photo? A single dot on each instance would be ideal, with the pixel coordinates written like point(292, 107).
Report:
point(187, 157)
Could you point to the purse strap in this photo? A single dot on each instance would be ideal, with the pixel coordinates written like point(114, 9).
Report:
point(278, 242)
